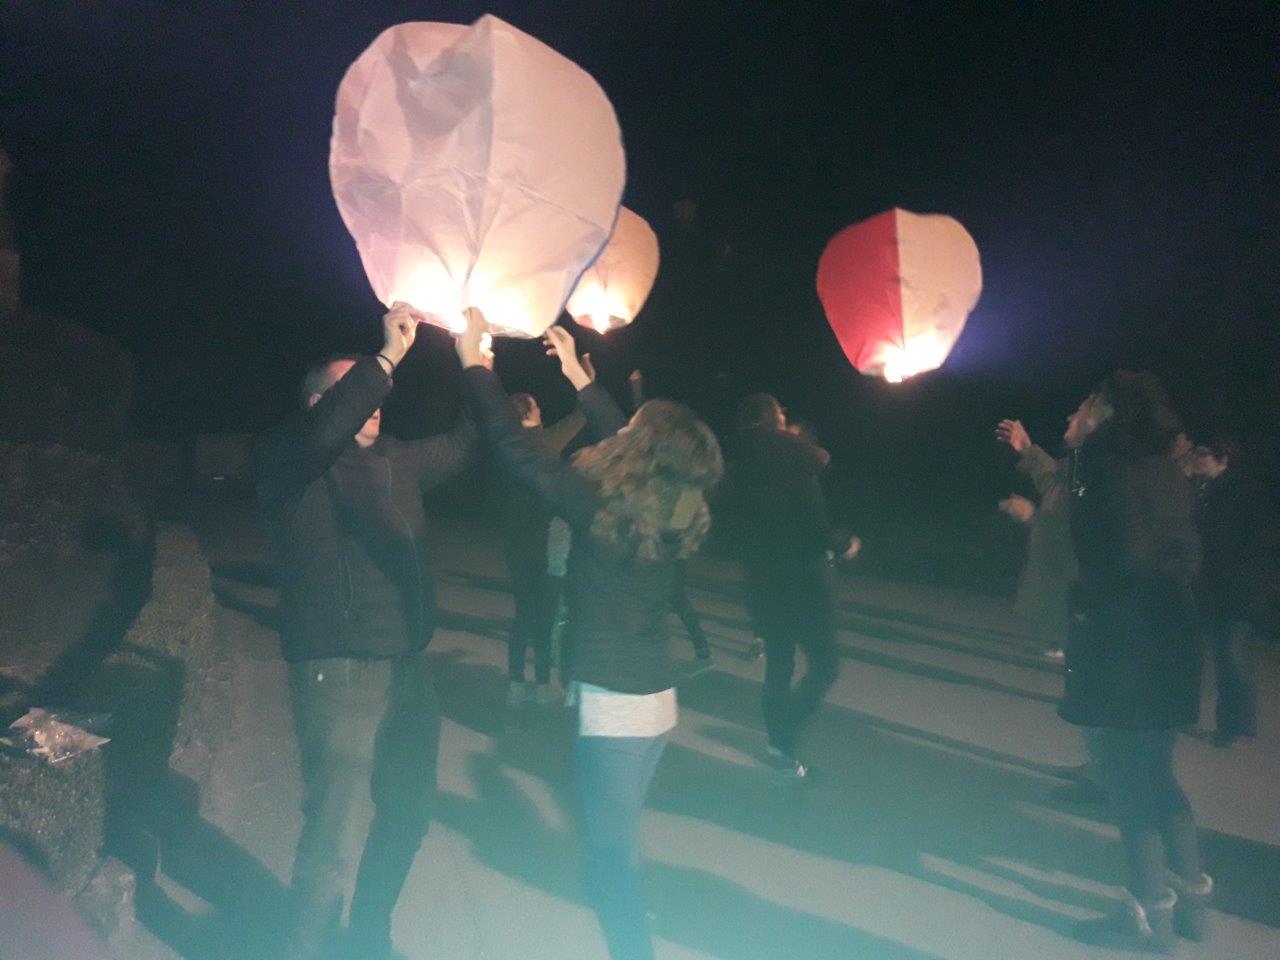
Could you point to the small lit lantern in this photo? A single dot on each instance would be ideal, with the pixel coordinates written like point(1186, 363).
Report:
point(615, 287)
point(897, 290)
point(475, 167)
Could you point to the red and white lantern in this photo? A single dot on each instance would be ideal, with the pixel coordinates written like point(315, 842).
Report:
point(897, 290)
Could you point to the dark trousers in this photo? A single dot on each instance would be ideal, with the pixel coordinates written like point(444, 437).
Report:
point(684, 610)
point(791, 604)
point(364, 728)
point(1237, 706)
point(613, 776)
point(1157, 828)
point(536, 596)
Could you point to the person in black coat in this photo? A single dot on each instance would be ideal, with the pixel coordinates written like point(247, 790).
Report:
point(1236, 527)
point(786, 541)
point(636, 503)
point(1133, 657)
point(523, 524)
point(342, 507)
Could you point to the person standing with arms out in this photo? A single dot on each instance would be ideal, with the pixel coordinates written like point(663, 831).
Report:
point(1235, 524)
point(1051, 563)
point(636, 503)
point(786, 539)
point(1133, 654)
point(342, 506)
point(523, 523)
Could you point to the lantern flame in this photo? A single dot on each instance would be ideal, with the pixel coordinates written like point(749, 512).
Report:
point(918, 354)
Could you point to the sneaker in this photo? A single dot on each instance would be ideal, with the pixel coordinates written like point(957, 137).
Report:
point(547, 696)
point(517, 693)
point(1191, 912)
point(1143, 927)
point(784, 764)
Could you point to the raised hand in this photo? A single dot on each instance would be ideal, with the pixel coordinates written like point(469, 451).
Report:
point(1014, 434)
point(399, 329)
point(561, 346)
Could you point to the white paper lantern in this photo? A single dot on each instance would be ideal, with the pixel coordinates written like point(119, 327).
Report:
point(475, 167)
point(615, 287)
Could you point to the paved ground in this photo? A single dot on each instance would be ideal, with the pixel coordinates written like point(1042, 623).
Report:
point(930, 832)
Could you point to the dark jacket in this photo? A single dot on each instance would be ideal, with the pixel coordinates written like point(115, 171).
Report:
point(1237, 528)
point(347, 524)
point(773, 493)
point(1133, 658)
point(618, 604)
point(522, 519)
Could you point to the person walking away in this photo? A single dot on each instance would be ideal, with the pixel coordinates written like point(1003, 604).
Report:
point(1236, 526)
point(342, 507)
point(636, 503)
point(1133, 658)
point(523, 525)
point(786, 538)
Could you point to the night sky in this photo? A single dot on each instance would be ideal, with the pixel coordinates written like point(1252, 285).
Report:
point(1116, 164)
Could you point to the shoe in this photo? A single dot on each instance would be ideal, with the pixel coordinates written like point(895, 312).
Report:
point(1191, 912)
point(784, 764)
point(755, 649)
point(517, 693)
point(547, 696)
point(1054, 654)
point(1079, 791)
point(1143, 927)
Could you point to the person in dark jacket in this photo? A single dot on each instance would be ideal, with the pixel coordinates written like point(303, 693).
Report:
point(786, 540)
point(1133, 657)
point(636, 503)
point(1236, 524)
point(523, 523)
point(342, 506)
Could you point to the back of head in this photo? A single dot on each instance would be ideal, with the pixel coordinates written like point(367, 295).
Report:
point(1141, 420)
point(654, 477)
point(319, 376)
point(522, 405)
point(760, 411)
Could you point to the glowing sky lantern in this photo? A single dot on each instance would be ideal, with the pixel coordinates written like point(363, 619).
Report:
point(897, 290)
point(615, 287)
point(475, 167)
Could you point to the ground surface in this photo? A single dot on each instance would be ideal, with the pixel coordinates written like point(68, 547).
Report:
point(929, 832)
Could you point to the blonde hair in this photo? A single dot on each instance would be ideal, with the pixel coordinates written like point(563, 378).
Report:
point(652, 474)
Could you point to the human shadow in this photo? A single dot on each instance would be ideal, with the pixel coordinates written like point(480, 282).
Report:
point(507, 831)
point(153, 821)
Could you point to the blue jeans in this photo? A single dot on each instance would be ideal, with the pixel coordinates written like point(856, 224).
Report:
point(613, 778)
point(1237, 707)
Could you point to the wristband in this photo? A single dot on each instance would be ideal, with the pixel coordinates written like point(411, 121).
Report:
point(389, 363)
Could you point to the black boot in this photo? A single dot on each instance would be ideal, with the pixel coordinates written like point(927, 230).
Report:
point(1191, 914)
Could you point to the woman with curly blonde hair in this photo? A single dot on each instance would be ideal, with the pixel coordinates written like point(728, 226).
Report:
point(636, 503)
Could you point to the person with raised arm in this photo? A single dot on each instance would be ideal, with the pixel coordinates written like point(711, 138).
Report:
point(342, 507)
point(636, 503)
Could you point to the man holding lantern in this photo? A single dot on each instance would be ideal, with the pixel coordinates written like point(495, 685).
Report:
point(342, 507)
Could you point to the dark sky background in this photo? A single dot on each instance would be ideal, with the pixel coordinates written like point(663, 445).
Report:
point(1116, 164)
